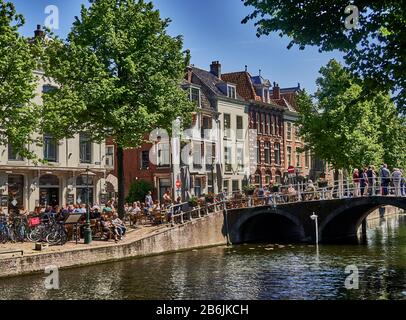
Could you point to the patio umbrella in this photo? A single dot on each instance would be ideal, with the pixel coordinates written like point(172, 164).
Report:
point(185, 177)
point(219, 177)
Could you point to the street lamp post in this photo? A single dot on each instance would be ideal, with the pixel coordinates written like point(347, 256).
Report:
point(212, 172)
point(87, 230)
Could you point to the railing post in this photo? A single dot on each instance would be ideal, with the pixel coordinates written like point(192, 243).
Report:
point(172, 216)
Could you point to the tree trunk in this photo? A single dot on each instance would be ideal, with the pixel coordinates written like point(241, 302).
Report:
point(120, 177)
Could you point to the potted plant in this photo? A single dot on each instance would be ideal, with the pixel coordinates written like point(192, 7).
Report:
point(193, 202)
point(276, 187)
point(209, 197)
point(322, 183)
point(249, 189)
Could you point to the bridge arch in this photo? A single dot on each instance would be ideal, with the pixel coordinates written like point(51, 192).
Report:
point(343, 223)
point(266, 225)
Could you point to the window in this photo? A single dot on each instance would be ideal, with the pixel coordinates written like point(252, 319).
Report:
point(47, 88)
point(227, 125)
point(13, 155)
point(84, 189)
point(225, 185)
point(258, 177)
point(298, 164)
point(231, 92)
point(268, 124)
point(240, 128)
point(267, 150)
point(210, 182)
point(163, 154)
point(110, 156)
point(197, 154)
point(207, 126)
point(227, 159)
point(85, 146)
point(289, 155)
point(263, 123)
point(195, 96)
point(198, 187)
point(277, 154)
point(307, 159)
point(297, 135)
point(258, 152)
point(209, 154)
point(289, 131)
point(267, 179)
point(50, 148)
point(235, 185)
point(240, 158)
point(144, 160)
point(273, 125)
point(280, 126)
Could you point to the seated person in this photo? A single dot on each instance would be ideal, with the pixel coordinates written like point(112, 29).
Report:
point(120, 227)
point(109, 230)
point(95, 213)
point(311, 191)
point(292, 193)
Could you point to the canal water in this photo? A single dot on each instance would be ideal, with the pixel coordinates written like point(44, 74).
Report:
point(265, 272)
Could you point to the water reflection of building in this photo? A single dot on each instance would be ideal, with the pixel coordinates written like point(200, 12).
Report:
point(63, 179)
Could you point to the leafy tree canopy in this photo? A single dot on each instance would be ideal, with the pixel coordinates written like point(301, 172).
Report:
point(118, 74)
point(349, 132)
point(138, 190)
point(19, 116)
point(374, 51)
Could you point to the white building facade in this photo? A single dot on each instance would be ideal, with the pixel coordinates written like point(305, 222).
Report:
point(75, 171)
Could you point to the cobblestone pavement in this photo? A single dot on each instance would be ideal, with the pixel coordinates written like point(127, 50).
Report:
point(133, 234)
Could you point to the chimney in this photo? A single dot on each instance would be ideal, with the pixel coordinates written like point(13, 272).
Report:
point(189, 74)
point(215, 68)
point(39, 33)
point(276, 91)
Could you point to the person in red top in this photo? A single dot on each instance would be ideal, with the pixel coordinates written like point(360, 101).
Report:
point(356, 180)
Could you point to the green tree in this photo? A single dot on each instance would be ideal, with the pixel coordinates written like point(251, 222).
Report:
point(346, 131)
point(118, 75)
point(18, 114)
point(138, 190)
point(375, 50)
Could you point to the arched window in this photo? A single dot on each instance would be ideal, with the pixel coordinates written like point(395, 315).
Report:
point(49, 180)
point(278, 176)
point(277, 150)
point(268, 177)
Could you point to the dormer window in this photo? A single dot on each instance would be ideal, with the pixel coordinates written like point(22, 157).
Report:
point(194, 95)
point(231, 91)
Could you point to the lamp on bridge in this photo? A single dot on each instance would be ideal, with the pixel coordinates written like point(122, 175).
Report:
point(314, 217)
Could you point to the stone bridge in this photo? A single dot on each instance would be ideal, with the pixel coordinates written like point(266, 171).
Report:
point(338, 219)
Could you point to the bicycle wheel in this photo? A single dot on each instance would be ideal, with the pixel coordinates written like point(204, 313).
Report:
point(35, 235)
point(20, 233)
point(3, 235)
point(54, 238)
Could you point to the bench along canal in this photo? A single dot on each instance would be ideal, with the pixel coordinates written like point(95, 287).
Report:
point(240, 272)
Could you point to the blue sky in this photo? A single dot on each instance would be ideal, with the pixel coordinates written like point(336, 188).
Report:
point(212, 30)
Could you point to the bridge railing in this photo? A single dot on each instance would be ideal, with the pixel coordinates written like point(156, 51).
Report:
point(298, 193)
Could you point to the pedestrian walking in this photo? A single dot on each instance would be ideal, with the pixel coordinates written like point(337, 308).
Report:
point(385, 179)
point(396, 178)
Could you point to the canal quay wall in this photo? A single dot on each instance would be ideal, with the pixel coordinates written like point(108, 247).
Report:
point(198, 233)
